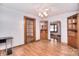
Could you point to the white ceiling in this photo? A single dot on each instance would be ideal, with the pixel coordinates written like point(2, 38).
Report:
point(35, 8)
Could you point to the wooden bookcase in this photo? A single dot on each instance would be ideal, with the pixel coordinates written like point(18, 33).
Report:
point(73, 30)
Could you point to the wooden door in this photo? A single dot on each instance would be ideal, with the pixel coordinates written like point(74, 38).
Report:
point(29, 29)
point(44, 30)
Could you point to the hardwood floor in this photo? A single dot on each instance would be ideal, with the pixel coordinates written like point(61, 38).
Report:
point(44, 48)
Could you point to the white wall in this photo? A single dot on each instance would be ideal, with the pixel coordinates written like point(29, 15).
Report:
point(12, 24)
point(63, 19)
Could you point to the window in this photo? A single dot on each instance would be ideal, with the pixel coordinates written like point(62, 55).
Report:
point(53, 28)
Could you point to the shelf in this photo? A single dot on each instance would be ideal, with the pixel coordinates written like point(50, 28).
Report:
point(72, 30)
point(74, 23)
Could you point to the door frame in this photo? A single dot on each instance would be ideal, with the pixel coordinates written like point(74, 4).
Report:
point(25, 28)
point(47, 30)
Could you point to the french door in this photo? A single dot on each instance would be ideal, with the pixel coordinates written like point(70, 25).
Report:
point(29, 29)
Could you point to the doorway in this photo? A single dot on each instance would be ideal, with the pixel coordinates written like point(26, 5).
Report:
point(29, 29)
point(44, 30)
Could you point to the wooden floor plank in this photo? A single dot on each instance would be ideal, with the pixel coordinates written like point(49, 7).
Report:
point(45, 48)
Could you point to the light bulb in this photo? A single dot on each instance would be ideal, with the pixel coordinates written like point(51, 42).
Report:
point(45, 13)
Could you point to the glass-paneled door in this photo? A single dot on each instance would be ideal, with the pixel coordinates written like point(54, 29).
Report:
point(30, 30)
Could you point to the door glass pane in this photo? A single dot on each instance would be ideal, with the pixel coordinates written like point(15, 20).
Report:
point(29, 34)
point(31, 22)
point(29, 28)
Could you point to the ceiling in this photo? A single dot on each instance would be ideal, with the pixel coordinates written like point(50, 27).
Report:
point(35, 8)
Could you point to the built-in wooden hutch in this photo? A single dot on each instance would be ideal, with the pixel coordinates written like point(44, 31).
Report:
point(73, 30)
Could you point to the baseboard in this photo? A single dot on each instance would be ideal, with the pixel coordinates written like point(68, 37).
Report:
point(49, 39)
point(37, 40)
point(18, 45)
point(25, 44)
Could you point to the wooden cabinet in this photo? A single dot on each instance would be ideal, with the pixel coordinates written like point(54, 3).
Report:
point(73, 30)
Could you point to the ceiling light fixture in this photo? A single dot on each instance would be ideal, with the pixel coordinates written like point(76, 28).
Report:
point(46, 9)
point(40, 15)
point(44, 13)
